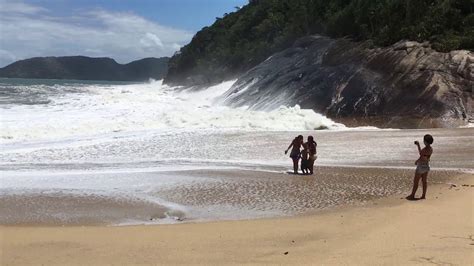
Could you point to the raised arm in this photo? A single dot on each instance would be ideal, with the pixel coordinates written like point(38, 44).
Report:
point(291, 144)
point(419, 148)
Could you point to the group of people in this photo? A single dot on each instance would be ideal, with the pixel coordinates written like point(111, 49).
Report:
point(306, 151)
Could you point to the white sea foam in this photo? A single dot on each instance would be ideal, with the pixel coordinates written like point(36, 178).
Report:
point(469, 125)
point(108, 109)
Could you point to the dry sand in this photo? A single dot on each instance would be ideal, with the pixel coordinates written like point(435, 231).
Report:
point(390, 231)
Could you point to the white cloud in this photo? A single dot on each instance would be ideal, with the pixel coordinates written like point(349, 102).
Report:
point(28, 31)
point(19, 7)
point(151, 40)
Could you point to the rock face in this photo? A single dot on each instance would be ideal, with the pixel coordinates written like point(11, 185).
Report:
point(86, 68)
point(406, 85)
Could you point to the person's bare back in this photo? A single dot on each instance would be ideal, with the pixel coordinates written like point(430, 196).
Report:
point(425, 155)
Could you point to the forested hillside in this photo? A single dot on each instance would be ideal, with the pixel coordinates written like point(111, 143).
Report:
point(246, 37)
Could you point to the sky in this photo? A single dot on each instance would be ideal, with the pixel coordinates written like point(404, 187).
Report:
point(125, 30)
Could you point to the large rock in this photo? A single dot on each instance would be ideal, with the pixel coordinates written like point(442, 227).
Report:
point(404, 85)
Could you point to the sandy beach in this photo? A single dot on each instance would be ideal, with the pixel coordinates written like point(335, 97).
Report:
point(387, 231)
point(134, 181)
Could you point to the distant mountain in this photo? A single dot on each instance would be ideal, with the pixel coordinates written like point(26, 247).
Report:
point(86, 68)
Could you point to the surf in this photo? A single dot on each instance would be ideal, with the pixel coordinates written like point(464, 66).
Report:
point(77, 111)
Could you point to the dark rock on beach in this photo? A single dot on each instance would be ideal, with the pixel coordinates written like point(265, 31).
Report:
point(86, 68)
point(406, 85)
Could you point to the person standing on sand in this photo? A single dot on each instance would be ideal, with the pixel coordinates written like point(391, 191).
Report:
point(295, 152)
point(422, 166)
point(311, 145)
point(305, 160)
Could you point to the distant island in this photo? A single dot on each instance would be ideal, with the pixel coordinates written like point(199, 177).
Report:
point(86, 68)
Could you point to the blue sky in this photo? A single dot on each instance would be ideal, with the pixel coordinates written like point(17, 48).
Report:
point(184, 14)
point(123, 30)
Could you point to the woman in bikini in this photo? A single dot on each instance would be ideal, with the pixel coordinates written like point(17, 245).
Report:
point(295, 152)
point(422, 166)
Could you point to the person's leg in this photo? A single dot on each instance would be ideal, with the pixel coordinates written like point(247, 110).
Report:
point(311, 166)
point(295, 165)
point(416, 180)
point(424, 178)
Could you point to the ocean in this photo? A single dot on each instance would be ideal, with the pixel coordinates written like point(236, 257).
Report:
point(75, 152)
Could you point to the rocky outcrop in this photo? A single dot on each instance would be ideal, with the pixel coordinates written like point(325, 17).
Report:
point(406, 85)
point(86, 68)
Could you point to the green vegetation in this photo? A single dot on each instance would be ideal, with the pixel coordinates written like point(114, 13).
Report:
point(248, 36)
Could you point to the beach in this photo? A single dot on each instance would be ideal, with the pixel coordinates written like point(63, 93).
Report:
point(243, 132)
point(387, 231)
point(204, 195)
point(138, 179)
point(97, 173)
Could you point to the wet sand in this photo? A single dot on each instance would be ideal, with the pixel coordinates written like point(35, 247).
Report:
point(59, 209)
point(388, 231)
point(213, 195)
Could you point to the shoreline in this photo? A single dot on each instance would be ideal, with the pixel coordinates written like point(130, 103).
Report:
point(389, 230)
point(214, 195)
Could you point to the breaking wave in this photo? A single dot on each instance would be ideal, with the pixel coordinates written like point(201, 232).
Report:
point(63, 111)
